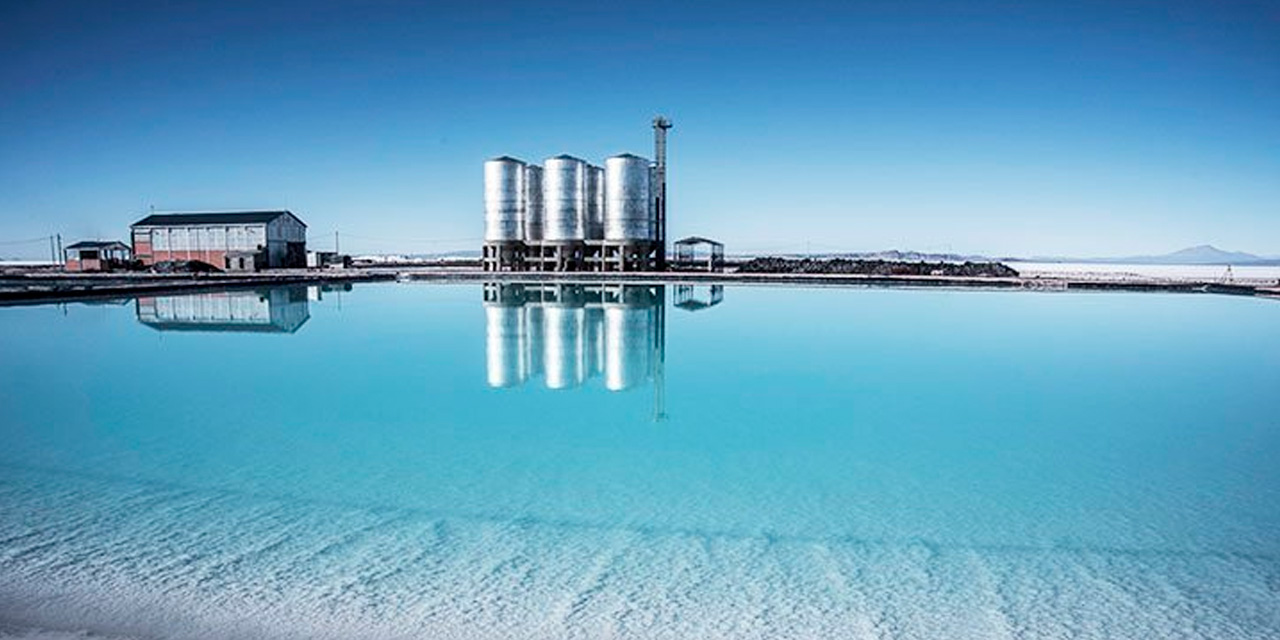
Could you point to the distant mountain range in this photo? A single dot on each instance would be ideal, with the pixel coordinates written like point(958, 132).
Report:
point(892, 255)
point(1199, 255)
point(1202, 254)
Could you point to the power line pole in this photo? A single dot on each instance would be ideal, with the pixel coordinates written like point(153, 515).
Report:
point(61, 253)
point(336, 246)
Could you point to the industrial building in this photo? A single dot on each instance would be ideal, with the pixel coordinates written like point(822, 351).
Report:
point(274, 310)
point(232, 241)
point(96, 255)
point(570, 215)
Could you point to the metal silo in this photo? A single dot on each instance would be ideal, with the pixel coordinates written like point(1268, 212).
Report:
point(595, 203)
point(564, 199)
point(628, 197)
point(534, 213)
point(504, 199)
point(506, 344)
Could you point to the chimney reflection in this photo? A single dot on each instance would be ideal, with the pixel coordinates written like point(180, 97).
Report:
point(274, 310)
point(568, 334)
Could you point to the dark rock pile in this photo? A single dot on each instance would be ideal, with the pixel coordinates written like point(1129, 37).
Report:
point(878, 267)
point(184, 266)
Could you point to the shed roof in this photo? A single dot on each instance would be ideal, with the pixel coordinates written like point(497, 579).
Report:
point(224, 327)
point(221, 217)
point(699, 240)
point(98, 244)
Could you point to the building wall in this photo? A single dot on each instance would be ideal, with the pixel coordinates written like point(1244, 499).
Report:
point(75, 264)
point(286, 229)
point(282, 242)
point(281, 233)
point(206, 243)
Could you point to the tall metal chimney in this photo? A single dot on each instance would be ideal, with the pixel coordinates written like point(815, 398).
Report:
point(660, 126)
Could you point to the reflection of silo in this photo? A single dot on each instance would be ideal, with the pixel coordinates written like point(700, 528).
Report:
point(595, 203)
point(628, 334)
point(533, 325)
point(595, 341)
point(506, 345)
point(533, 215)
point(504, 199)
point(564, 354)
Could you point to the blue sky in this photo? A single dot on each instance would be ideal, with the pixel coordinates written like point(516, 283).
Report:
point(1006, 128)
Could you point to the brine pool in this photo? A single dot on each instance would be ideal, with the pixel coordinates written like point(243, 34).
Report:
point(588, 461)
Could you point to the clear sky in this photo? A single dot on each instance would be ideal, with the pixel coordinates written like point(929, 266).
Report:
point(1006, 128)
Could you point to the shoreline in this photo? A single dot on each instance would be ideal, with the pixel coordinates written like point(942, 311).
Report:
point(44, 287)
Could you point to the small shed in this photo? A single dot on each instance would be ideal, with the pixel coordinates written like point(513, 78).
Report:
point(327, 260)
point(696, 253)
point(97, 255)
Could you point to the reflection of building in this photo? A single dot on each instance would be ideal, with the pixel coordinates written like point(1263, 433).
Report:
point(570, 333)
point(277, 310)
point(96, 255)
point(234, 241)
point(687, 297)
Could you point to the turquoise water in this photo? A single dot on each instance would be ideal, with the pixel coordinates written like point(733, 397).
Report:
point(429, 461)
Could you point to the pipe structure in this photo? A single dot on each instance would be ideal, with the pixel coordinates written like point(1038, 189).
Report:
point(660, 126)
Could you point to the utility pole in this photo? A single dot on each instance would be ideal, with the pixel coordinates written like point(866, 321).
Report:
point(61, 253)
point(336, 246)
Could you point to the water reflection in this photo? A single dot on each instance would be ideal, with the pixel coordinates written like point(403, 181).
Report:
point(275, 310)
point(691, 297)
point(568, 334)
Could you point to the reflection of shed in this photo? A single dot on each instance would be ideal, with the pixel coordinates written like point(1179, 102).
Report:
point(96, 255)
point(690, 254)
point(687, 297)
point(276, 310)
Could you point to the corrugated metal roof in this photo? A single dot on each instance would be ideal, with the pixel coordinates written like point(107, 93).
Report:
point(699, 240)
point(221, 327)
point(223, 217)
point(97, 244)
